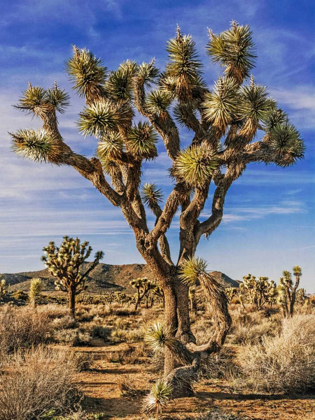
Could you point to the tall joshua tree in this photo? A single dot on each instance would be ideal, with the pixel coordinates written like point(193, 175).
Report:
point(287, 291)
point(65, 263)
point(223, 122)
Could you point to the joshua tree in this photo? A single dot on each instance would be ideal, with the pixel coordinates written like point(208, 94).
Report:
point(287, 291)
point(3, 288)
point(223, 122)
point(35, 291)
point(65, 263)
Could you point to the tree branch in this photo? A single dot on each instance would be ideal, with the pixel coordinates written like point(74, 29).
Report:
point(163, 124)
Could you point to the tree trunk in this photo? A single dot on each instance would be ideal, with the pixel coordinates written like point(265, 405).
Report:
point(170, 320)
point(72, 300)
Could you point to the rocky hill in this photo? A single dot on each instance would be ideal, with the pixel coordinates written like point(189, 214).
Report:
point(104, 278)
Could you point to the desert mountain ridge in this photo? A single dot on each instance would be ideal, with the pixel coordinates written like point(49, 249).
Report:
point(104, 278)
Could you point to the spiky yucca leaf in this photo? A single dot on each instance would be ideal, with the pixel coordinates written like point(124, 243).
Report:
point(150, 194)
point(141, 141)
point(32, 97)
point(233, 48)
point(58, 98)
point(104, 116)
point(184, 64)
point(287, 144)
point(254, 103)
point(158, 337)
point(220, 106)
point(158, 101)
point(119, 82)
point(34, 145)
point(110, 146)
point(147, 73)
point(86, 71)
point(194, 166)
point(191, 269)
point(158, 398)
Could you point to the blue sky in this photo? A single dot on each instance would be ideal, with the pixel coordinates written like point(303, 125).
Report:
point(269, 222)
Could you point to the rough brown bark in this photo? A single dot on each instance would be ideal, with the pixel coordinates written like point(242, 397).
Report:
point(72, 294)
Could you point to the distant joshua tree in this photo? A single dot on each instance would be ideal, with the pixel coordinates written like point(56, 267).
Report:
point(287, 290)
point(224, 122)
point(65, 263)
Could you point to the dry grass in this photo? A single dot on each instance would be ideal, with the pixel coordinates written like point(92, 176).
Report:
point(22, 328)
point(285, 363)
point(36, 382)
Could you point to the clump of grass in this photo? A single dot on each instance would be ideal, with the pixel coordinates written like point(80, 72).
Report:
point(36, 382)
point(23, 328)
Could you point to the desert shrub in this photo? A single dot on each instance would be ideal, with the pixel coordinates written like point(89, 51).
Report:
point(22, 327)
point(53, 311)
point(285, 363)
point(254, 333)
point(39, 381)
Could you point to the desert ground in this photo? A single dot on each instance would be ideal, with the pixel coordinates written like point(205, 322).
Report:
point(109, 369)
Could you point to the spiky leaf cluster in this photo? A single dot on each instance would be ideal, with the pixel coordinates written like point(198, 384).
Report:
point(233, 48)
point(34, 145)
point(254, 103)
point(158, 336)
point(58, 98)
point(158, 102)
point(287, 144)
point(110, 146)
point(158, 398)
point(184, 66)
point(103, 116)
point(119, 82)
point(87, 72)
point(151, 195)
point(192, 269)
point(221, 105)
point(194, 166)
point(274, 118)
point(148, 73)
point(36, 96)
point(141, 141)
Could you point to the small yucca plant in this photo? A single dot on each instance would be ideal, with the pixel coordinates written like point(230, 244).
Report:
point(158, 398)
point(158, 337)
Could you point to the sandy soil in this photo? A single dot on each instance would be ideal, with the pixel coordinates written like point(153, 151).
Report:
point(101, 386)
